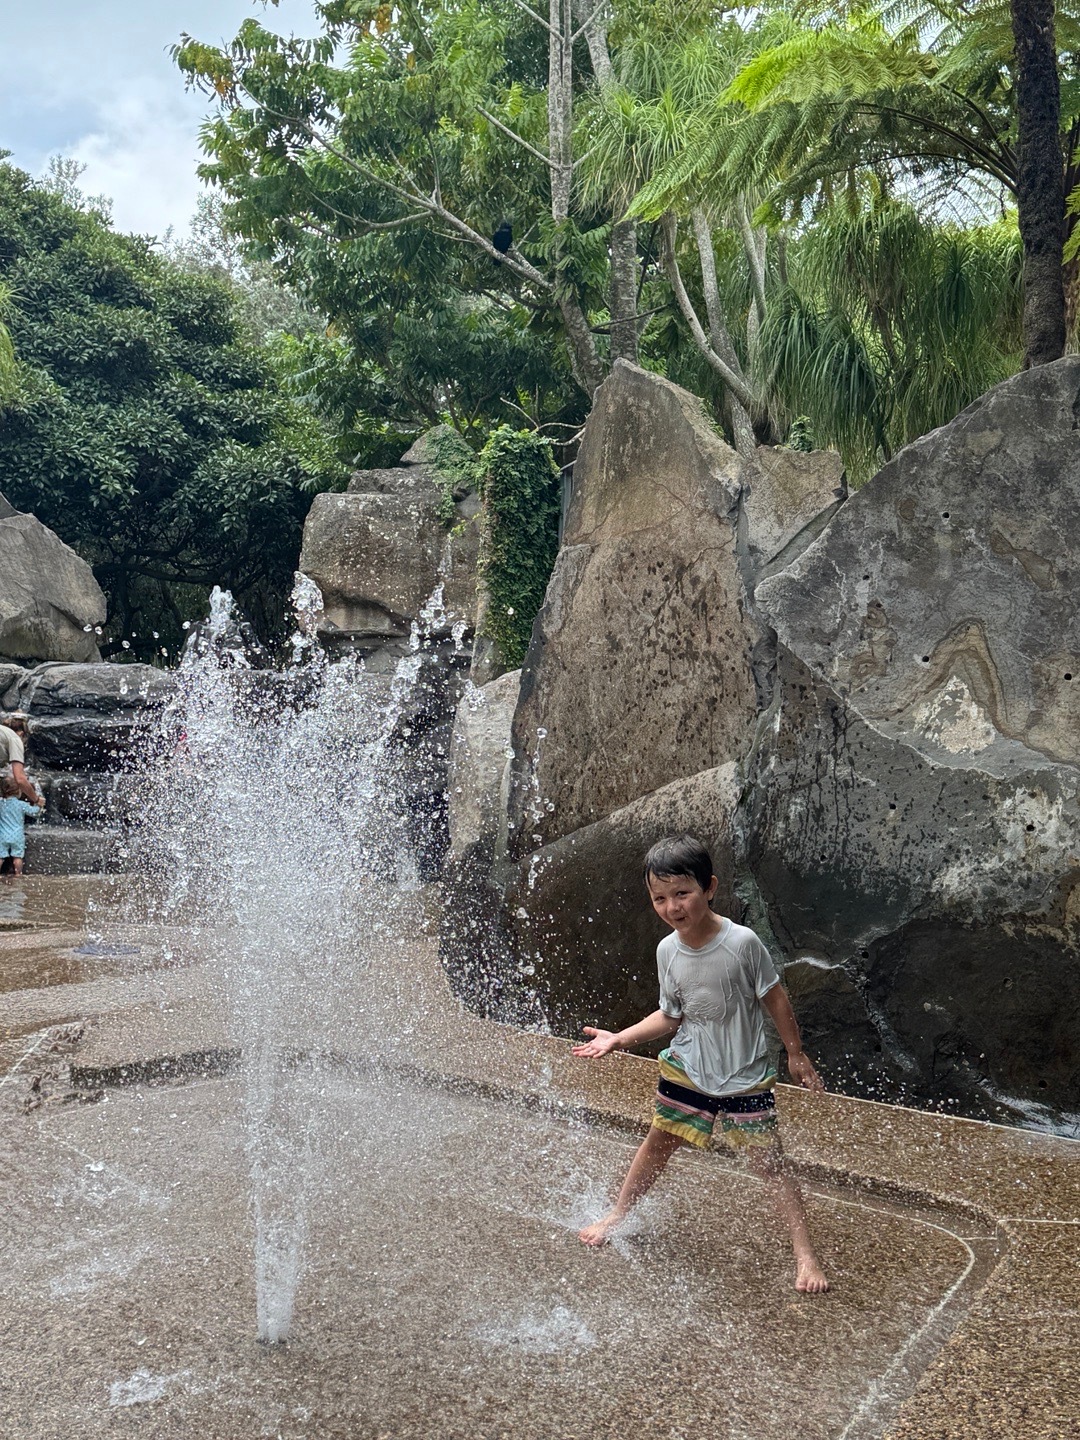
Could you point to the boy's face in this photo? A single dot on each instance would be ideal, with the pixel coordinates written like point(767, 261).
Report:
point(680, 901)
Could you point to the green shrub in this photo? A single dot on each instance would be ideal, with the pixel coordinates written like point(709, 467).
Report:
point(521, 493)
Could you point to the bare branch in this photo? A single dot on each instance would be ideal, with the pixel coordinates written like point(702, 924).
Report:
point(537, 428)
point(538, 18)
point(514, 135)
point(641, 315)
point(321, 202)
point(735, 383)
point(586, 23)
point(391, 224)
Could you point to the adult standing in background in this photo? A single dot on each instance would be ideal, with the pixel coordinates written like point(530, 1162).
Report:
point(13, 761)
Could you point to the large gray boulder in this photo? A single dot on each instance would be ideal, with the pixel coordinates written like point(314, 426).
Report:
point(475, 945)
point(48, 596)
point(789, 498)
point(479, 760)
point(915, 815)
point(942, 600)
point(868, 704)
point(578, 912)
point(84, 718)
point(639, 671)
point(380, 550)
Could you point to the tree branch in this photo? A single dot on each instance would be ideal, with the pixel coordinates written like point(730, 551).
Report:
point(993, 164)
point(735, 383)
point(585, 23)
point(538, 18)
point(753, 256)
point(415, 196)
point(514, 136)
point(741, 424)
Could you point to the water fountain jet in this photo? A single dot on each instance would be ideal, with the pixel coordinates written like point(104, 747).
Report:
point(273, 814)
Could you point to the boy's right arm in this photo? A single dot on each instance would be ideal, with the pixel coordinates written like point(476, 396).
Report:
point(656, 1026)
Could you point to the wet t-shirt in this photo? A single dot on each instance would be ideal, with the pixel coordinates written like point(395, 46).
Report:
point(716, 993)
point(11, 748)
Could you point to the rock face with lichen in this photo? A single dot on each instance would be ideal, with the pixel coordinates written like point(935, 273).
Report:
point(380, 550)
point(49, 599)
point(639, 672)
point(868, 704)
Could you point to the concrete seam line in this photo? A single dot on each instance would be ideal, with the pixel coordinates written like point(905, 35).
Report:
point(42, 1037)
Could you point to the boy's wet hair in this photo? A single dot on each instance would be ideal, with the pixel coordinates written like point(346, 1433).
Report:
point(8, 788)
point(679, 855)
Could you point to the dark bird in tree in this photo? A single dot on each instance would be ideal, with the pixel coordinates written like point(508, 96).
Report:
point(503, 237)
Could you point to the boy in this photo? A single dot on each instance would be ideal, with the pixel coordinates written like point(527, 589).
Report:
point(716, 977)
point(13, 815)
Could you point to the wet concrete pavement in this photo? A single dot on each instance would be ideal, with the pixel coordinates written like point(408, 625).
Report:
point(447, 1294)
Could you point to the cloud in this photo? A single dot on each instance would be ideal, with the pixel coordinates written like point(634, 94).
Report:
point(143, 157)
point(95, 81)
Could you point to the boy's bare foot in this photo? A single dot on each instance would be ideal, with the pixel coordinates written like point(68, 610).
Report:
point(809, 1276)
point(597, 1234)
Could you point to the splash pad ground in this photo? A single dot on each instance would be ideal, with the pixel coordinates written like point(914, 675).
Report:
point(445, 1293)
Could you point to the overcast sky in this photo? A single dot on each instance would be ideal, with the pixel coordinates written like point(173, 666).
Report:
point(93, 79)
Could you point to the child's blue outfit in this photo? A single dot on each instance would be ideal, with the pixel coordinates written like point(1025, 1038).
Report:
point(13, 816)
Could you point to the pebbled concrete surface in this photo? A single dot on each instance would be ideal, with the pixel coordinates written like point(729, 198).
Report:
point(446, 1294)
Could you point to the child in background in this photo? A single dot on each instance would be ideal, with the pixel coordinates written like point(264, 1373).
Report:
point(716, 980)
point(14, 813)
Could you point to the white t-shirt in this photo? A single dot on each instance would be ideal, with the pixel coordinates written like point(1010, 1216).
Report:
point(11, 749)
point(716, 993)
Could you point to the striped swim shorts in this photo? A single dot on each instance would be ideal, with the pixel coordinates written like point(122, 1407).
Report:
point(684, 1110)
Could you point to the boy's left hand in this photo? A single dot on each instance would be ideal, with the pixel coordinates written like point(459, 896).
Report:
point(801, 1069)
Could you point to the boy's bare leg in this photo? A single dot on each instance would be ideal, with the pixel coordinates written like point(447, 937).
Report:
point(16, 865)
point(648, 1164)
point(787, 1197)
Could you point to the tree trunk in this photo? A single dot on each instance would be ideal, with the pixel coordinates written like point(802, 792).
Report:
point(585, 362)
point(624, 287)
point(584, 357)
point(1071, 279)
point(732, 378)
point(560, 106)
point(591, 16)
point(1040, 189)
point(742, 428)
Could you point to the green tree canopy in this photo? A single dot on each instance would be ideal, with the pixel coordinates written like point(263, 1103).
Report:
point(367, 167)
point(145, 430)
point(741, 198)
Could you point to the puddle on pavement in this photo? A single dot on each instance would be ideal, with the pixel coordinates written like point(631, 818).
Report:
point(64, 930)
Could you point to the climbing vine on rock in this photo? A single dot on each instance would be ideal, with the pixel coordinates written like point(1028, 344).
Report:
point(521, 493)
point(457, 469)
